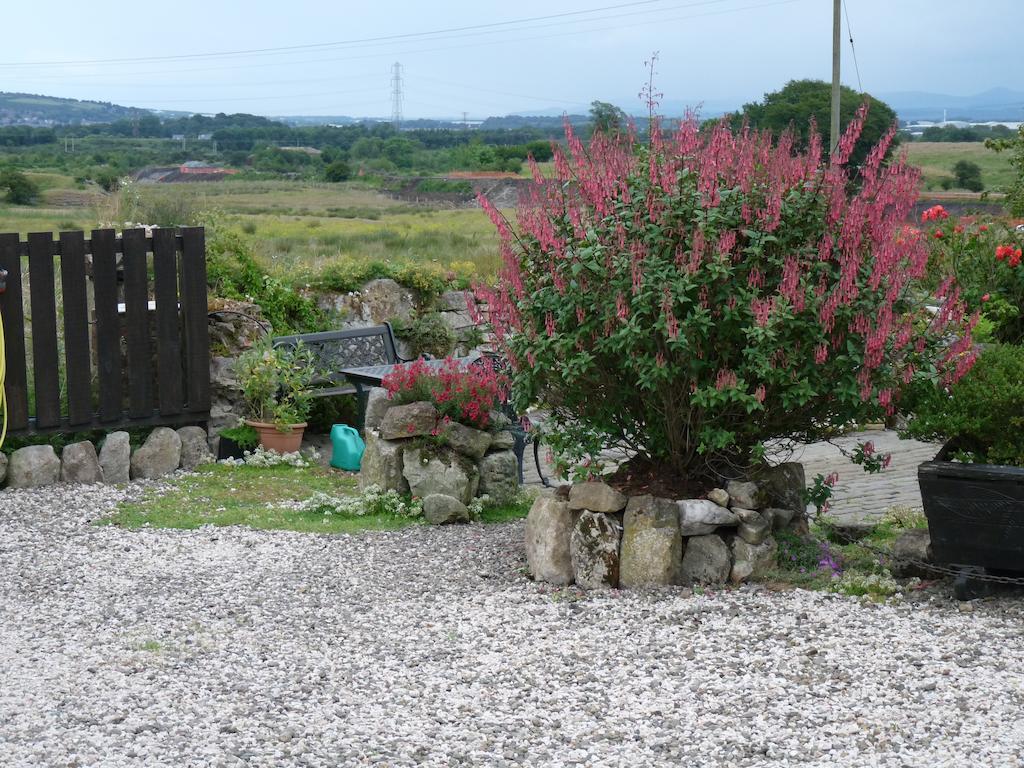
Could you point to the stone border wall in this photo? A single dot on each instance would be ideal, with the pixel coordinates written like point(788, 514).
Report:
point(595, 537)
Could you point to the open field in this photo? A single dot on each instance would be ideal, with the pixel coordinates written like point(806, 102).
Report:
point(937, 158)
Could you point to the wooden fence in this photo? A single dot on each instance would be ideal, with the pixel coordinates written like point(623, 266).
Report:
point(132, 328)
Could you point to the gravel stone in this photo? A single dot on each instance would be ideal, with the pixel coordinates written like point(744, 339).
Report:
point(428, 646)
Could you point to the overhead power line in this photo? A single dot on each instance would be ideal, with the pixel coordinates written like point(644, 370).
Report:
point(849, 29)
point(341, 43)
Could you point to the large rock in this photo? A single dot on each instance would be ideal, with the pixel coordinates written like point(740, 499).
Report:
point(912, 548)
point(597, 497)
point(412, 420)
point(377, 404)
point(706, 561)
point(80, 464)
point(784, 486)
point(594, 549)
point(3, 467)
point(779, 517)
point(115, 458)
point(456, 301)
point(382, 464)
point(33, 467)
point(698, 517)
point(720, 496)
point(548, 532)
point(502, 441)
point(466, 440)
point(651, 544)
point(753, 528)
point(377, 302)
point(744, 494)
point(439, 509)
point(195, 447)
point(499, 476)
point(159, 455)
point(439, 472)
point(752, 561)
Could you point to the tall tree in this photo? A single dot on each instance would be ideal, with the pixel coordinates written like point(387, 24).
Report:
point(607, 118)
point(800, 100)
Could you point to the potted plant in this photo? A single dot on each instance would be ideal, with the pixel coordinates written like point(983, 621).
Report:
point(973, 491)
point(275, 384)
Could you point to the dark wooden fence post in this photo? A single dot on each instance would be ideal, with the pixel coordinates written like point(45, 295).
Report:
point(165, 315)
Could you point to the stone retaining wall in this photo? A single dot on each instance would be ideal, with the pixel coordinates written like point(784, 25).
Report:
point(163, 452)
point(595, 537)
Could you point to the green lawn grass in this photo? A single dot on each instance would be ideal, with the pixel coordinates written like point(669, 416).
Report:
point(937, 158)
point(222, 495)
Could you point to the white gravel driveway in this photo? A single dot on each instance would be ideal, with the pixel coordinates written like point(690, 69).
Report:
point(428, 646)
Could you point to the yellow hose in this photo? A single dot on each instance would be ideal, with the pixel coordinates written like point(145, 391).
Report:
point(3, 376)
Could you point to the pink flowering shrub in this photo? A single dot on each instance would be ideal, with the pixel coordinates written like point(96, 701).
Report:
point(693, 298)
point(460, 393)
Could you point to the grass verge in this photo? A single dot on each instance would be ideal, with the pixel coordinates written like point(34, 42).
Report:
point(225, 495)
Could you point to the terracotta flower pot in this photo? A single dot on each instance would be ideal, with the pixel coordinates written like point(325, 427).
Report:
point(273, 439)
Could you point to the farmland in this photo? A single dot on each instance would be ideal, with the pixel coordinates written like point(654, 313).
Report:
point(936, 160)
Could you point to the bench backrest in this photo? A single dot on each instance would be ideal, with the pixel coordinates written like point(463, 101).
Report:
point(356, 347)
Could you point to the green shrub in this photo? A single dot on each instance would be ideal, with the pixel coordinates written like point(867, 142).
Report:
point(232, 272)
point(982, 415)
point(21, 190)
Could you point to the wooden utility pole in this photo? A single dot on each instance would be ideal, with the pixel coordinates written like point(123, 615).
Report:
point(833, 134)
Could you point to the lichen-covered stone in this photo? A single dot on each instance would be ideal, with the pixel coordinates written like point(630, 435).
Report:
point(195, 447)
point(33, 467)
point(439, 472)
point(115, 458)
point(159, 455)
point(779, 517)
point(499, 476)
point(466, 440)
point(382, 464)
point(752, 528)
point(412, 420)
point(752, 561)
point(548, 532)
point(594, 549)
point(377, 404)
point(784, 486)
point(80, 464)
point(705, 561)
point(651, 544)
point(698, 517)
point(744, 494)
point(911, 548)
point(439, 509)
point(503, 441)
point(597, 497)
point(720, 496)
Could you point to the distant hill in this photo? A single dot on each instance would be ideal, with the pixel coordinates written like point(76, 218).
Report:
point(993, 104)
point(32, 109)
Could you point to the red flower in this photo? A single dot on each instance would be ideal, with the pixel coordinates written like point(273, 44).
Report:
point(958, 229)
point(983, 228)
point(985, 298)
point(938, 234)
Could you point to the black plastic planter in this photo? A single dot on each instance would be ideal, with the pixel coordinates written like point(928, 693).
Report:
point(975, 517)
point(229, 449)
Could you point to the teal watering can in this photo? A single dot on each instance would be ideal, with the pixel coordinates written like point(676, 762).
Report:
point(348, 447)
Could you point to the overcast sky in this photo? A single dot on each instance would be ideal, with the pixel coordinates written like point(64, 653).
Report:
point(719, 52)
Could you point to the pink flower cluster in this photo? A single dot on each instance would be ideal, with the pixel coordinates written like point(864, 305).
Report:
point(466, 394)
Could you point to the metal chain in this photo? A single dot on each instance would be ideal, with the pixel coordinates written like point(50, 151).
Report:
point(943, 569)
